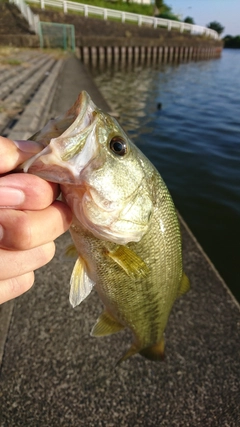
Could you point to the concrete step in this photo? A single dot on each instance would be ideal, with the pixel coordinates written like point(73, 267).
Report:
point(7, 74)
point(8, 87)
point(17, 98)
point(36, 113)
point(27, 94)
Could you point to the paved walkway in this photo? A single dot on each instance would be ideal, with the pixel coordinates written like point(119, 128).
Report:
point(54, 374)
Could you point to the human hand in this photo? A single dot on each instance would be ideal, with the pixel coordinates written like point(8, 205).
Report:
point(30, 219)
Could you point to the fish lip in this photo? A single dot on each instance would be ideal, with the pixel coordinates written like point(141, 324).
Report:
point(81, 118)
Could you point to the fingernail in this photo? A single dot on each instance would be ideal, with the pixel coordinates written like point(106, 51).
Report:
point(11, 197)
point(1, 232)
point(29, 146)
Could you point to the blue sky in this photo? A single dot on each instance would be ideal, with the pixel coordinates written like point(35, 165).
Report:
point(227, 12)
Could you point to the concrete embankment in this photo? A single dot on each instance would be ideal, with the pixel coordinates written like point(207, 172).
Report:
point(108, 41)
point(54, 374)
point(99, 40)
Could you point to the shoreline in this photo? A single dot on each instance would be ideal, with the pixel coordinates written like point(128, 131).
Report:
point(54, 373)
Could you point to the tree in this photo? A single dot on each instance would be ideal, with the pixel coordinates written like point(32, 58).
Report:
point(232, 42)
point(214, 25)
point(162, 10)
point(189, 20)
point(159, 4)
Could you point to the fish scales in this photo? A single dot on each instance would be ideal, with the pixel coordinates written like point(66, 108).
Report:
point(125, 227)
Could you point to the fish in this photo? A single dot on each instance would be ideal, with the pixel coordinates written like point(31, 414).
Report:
point(125, 228)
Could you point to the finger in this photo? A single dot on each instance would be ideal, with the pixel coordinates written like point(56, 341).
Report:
point(22, 230)
point(12, 154)
point(17, 263)
point(16, 286)
point(24, 191)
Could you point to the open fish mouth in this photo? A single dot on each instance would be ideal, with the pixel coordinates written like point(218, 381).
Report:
point(67, 145)
point(87, 150)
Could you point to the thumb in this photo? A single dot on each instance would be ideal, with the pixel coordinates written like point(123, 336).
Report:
point(13, 153)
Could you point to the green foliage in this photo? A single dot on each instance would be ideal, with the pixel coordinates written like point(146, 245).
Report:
point(159, 4)
point(164, 11)
point(214, 25)
point(232, 42)
point(141, 9)
point(189, 20)
point(168, 15)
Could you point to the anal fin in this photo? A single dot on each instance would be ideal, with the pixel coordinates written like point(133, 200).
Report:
point(106, 325)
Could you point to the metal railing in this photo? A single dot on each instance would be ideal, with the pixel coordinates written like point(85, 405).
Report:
point(32, 18)
point(87, 10)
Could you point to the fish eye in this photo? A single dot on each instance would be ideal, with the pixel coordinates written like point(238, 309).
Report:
point(118, 146)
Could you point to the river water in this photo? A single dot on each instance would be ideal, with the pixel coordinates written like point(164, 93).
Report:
point(193, 138)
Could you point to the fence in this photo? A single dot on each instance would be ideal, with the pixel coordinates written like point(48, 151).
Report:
point(32, 18)
point(87, 10)
point(54, 35)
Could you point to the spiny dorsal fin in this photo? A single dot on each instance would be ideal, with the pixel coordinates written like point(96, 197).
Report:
point(131, 263)
point(184, 285)
point(80, 283)
point(106, 325)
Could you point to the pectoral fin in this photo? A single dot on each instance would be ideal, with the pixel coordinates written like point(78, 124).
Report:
point(131, 263)
point(184, 285)
point(106, 325)
point(80, 283)
point(71, 251)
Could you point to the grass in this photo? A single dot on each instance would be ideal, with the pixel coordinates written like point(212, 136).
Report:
point(12, 61)
point(140, 9)
point(8, 56)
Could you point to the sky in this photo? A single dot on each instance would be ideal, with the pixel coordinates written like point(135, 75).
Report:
point(226, 12)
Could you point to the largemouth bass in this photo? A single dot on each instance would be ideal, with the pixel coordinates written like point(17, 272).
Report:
point(125, 227)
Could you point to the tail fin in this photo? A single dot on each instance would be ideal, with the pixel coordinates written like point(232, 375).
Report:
point(132, 350)
point(154, 352)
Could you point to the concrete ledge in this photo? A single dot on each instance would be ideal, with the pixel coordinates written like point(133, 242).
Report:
point(113, 41)
point(19, 40)
point(54, 374)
